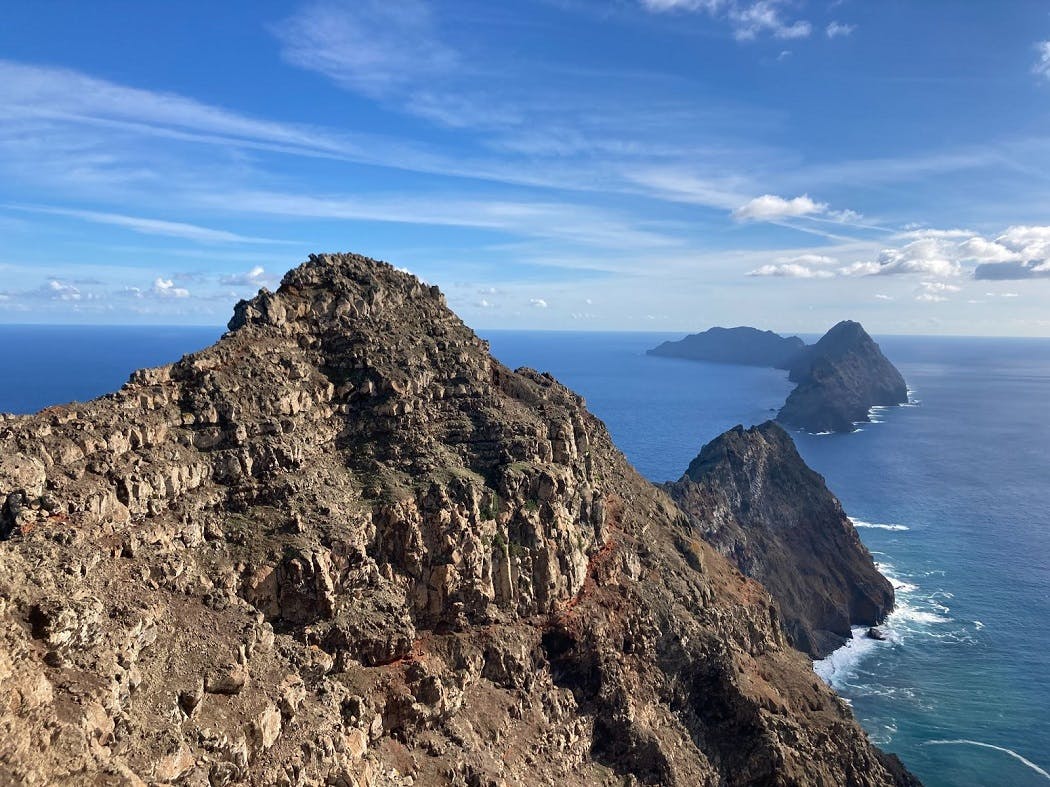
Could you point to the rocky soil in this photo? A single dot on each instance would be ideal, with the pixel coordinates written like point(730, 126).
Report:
point(344, 546)
point(750, 494)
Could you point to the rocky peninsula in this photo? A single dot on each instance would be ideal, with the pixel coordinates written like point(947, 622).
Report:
point(345, 546)
point(750, 495)
point(840, 378)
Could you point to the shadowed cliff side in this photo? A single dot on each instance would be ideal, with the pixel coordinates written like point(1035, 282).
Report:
point(346, 546)
point(751, 495)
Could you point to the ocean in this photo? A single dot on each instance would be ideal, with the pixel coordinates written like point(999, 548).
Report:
point(949, 494)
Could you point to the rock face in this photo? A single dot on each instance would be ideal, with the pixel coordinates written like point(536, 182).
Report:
point(747, 346)
point(840, 378)
point(345, 546)
point(750, 495)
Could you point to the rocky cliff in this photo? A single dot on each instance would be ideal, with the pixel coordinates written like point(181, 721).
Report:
point(743, 345)
point(840, 378)
point(345, 546)
point(750, 495)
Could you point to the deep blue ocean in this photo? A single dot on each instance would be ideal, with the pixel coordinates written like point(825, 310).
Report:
point(950, 495)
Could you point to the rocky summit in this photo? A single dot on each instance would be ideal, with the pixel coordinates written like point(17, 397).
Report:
point(344, 546)
point(750, 494)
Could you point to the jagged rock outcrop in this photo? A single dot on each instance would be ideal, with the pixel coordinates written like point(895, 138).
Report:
point(345, 546)
point(750, 495)
point(742, 345)
point(840, 378)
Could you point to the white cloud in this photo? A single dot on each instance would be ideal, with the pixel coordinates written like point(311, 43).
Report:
point(770, 207)
point(60, 291)
point(930, 297)
point(1042, 65)
point(165, 288)
point(483, 304)
point(748, 20)
point(256, 277)
point(883, 297)
point(1019, 252)
point(929, 256)
point(753, 19)
point(939, 286)
point(982, 250)
point(791, 270)
point(839, 30)
point(538, 303)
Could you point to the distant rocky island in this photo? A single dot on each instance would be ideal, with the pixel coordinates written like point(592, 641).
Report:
point(743, 345)
point(840, 378)
point(346, 546)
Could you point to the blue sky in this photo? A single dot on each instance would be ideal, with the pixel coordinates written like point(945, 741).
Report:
point(562, 164)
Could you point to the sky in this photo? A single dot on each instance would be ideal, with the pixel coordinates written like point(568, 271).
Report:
point(661, 165)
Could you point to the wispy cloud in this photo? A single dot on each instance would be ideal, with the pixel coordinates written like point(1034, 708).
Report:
point(146, 226)
point(748, 20)
point(1042, 64)
point(564, 221)
point(839, 30)
point(374, 47)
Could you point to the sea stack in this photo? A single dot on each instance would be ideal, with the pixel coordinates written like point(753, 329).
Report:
point(840, 378)
point(750, 495)
point(345, 546)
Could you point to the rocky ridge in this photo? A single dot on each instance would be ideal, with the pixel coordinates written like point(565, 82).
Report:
point(345, 546)
point(749, 494)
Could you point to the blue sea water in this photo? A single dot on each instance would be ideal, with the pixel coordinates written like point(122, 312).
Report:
point(949, 494)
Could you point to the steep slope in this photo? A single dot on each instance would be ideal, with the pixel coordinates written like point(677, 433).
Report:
point(743, 345)
point(840, 378)
point(343, 545)
point(750, 494)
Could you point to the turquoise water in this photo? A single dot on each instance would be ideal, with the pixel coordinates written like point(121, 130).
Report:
point(950, 495)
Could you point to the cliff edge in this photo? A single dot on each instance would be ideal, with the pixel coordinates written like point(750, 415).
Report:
point(751, 496)
point(346, 546)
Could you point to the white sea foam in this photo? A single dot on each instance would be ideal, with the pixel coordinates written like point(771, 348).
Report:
point(840, 665)
point(978, 625)
point(877, 525)
point(965, 742)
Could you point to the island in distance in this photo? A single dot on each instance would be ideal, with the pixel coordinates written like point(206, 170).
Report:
point(839, 379)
